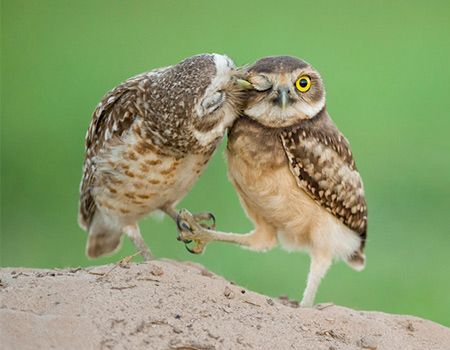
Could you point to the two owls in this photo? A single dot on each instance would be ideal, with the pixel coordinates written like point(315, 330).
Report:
point(152, 136)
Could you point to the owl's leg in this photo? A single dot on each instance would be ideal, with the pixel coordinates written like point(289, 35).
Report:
point(134, 234)
point(320, 263)
point(171, 211)
point(262, 238)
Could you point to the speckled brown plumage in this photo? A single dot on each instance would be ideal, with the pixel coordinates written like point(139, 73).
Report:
point(149, 140)
point(321, 159)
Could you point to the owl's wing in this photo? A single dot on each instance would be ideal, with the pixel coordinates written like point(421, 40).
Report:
point(322, 163)
point(111, 118)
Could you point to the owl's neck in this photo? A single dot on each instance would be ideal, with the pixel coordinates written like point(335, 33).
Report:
point(255, 143)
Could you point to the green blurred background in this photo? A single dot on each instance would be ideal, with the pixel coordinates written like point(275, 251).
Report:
point(386, 66)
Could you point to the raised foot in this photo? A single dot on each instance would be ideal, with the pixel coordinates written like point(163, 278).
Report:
point(192, 230)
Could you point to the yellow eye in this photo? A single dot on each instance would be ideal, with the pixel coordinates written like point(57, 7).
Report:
point(303, 83)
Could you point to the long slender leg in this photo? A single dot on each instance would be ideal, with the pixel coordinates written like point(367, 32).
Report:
point(171, 211)
point(262, 238)
point(320, 263)
point(134, 234)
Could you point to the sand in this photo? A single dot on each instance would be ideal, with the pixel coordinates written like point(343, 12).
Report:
point(171, 305)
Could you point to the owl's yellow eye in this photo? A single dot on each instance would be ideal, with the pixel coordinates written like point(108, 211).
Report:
point(303, 83)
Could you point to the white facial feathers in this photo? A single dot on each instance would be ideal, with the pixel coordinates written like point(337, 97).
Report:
point(283, 117)
point(224, 69)
point(265, 106)
point(214, 101)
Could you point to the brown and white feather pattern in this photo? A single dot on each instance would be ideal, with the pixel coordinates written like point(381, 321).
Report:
point(109, 121)
point(142, 150)
point(321, 160)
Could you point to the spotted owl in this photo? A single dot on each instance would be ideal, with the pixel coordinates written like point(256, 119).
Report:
point(150, 138)
point(294, 172)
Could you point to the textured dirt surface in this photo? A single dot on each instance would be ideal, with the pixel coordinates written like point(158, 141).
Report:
point(170, 305)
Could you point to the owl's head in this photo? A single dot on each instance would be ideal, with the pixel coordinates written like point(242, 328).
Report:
point(206, 94)
point(283, 91)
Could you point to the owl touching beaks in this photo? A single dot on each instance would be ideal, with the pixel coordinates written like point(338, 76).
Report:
point(149, 140)
point(294, 173)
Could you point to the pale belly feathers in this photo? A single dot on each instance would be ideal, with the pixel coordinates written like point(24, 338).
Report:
point(269, 192)
point(130, 185)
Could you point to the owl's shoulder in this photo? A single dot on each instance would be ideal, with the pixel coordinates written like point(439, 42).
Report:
point(321, 130)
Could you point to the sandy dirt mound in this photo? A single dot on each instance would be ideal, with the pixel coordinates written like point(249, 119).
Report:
point(170, 305)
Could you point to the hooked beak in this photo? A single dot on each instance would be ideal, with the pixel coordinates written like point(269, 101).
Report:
point(244, 84)
point(283, 97)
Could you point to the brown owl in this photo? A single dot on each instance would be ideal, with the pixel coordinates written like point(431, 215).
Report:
point(150, 138)
point(294, 173)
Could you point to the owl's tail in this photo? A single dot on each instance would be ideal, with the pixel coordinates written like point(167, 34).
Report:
point(357, 260)
point(104, 238)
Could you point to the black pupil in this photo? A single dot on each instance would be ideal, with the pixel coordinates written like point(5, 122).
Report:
point(303, 83)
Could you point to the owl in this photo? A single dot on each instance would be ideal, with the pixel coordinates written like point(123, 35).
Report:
point(150, 138)
point(294, 173)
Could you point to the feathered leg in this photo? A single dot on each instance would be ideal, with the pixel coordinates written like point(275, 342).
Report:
point(260, 239)
point(320, 263)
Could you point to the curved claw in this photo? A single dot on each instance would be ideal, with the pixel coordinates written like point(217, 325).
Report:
point(206, 216)
point(189, 249)
point(213, 219)
point(182, 225)
point(190, 229)
point(197, 249)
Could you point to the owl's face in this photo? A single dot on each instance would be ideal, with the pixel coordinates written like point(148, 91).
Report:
point(220, 105)
point(284, 91)
point(207, 96)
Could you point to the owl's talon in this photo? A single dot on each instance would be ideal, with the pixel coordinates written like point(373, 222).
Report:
point(205, 216)
point(182, 224)
point(189, 249)
point(197, 249)
point(184, 229)
point(190, 230)
point(185, 226)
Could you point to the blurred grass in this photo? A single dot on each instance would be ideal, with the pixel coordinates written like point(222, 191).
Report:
point(386, 68)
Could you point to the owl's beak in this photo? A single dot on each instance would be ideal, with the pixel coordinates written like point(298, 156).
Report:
point(244, 84)
point(283, 97)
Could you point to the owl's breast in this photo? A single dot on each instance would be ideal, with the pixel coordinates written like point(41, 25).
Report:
point(258, 168)
point(135, 177)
